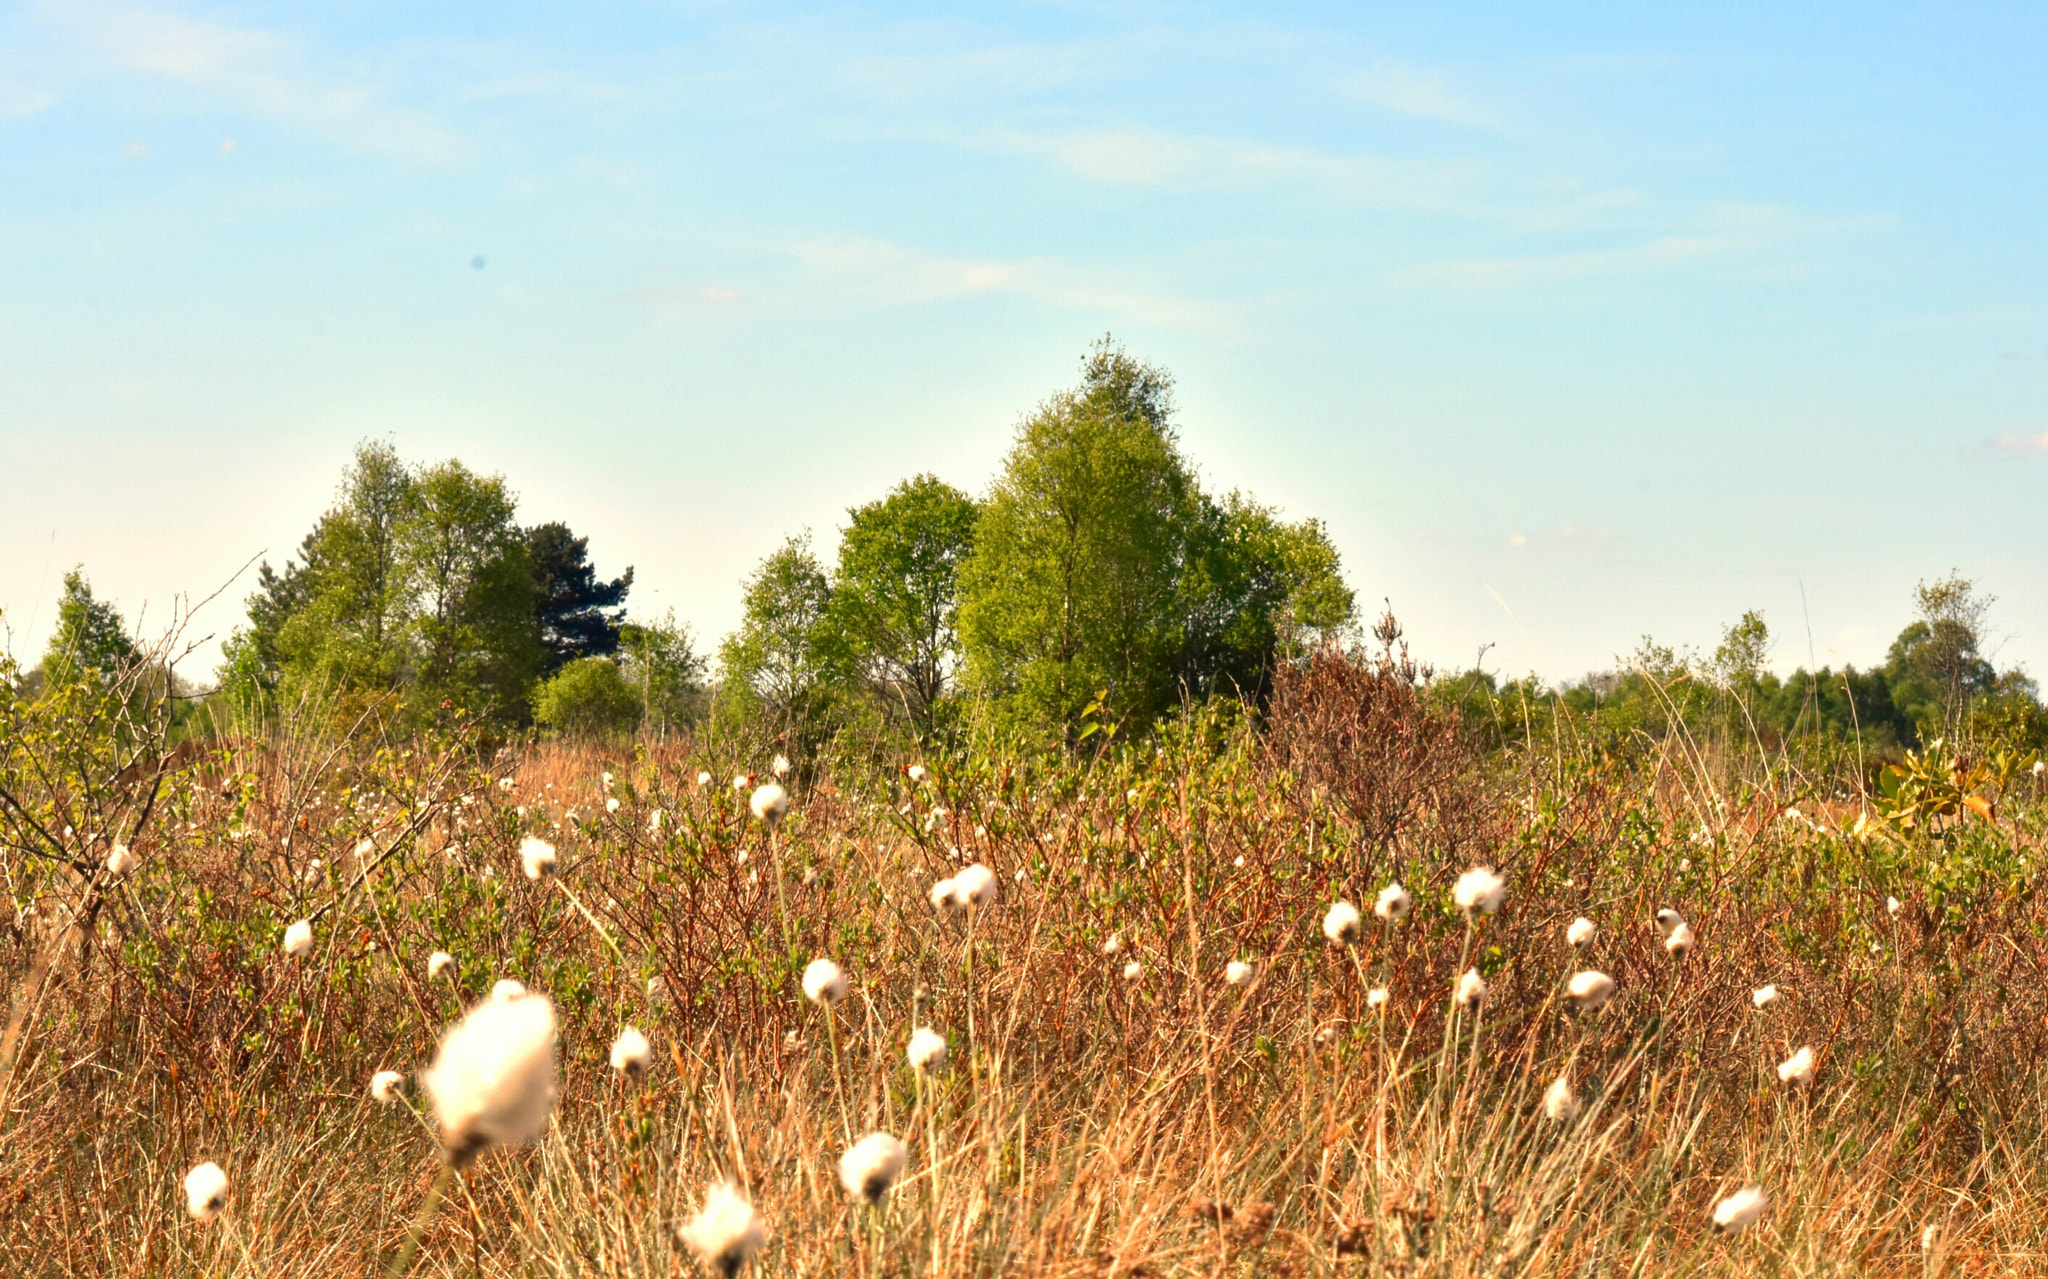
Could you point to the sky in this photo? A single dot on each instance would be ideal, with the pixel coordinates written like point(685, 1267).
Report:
point(1574, 324)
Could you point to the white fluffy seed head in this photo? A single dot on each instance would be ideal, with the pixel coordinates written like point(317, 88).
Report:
point(384, 1086)
point(611, 804)
point(769, 803)
point(120, 861)
point(298, 939)
point(915, 772)
point(1479, 890)
point(1892, 906)
point(725, 1232)
point(631, 1053)
point(1680, 942)
point(1590, 990)
point(507, 988)
point(942, 897)
point(1668, 921)
point(974, 886)
point(703, 779)
point(1114, 944)
point(871, 1166)
point(1763, 996)
point(1342, 925)
point(536, 857)
point(1739, 1210)
point(1237, 972)
point(654, 822)
point(824, 983)
point(206, 1191)
point(927, 1051)
point(780, 766)
point(439, 962)
point(493, 1080)
point(1798, 1068)
point(1580, 932)
point(366, 849)
point(1393, 903)
point(1471, 990)
point(1560, 1103)
point(1376, 997)
point(1133, 970)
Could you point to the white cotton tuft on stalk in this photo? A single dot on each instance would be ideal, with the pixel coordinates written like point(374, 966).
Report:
point(1580, 932)
point(1679, 944)
point(779, 766)
point(493, 1079)
point(439, 962)
point(927, 1051)
point(298, 939)
point(1471, 990)
point(1798, 1068)
point(120, 861)
point(769, 803)
point(1376, 997)
point(1133, 970)
point(1739, 1210)
point(1393, 903)
point(703, 779)
point(725, 1232)
point(1892, 906)
point(871, 1166)
point(1479, 889)
point(974, 886)
point(824, 983)
point(1560, 1103)
point(1668, 921)
point(507, 988)
point(654, 822)
point(915, 772)
point(631, 1053)
point(384, 1086)
point(1342, 925)
point(206, 1191)
point(1237, 972)
point(1763, 996)
point(611, 804)
point(536, 857)
point(1590, 990)
point(1113, 945)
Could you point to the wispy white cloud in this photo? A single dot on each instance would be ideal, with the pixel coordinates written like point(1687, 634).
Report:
point(261, 72)
point(1408, 92)
point(18, 100)
point(2008, 447)
point(1730, 233)
point(894, 275)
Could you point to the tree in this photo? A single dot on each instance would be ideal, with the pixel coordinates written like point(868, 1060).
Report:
point(471, 593)
point(1099, 565)
point(588, 698)
point(662, 665)
point(1936, 666)
point(579, 615)
point(895, 599)
point(90, 641)
point(1738, 661)
point(1074, 581)
point(786, 658)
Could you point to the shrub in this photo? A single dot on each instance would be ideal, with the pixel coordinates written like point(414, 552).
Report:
point(587, 698)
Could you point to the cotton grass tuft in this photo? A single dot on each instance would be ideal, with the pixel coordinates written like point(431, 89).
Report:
point(1763, 996)
point(725, 1232)
point(824, 983)
point(927, 1050)
point(1590, 990)
point(1580, 932)
point(1739, 1210)
point(631, 1053)
point(298, 939)
point(1237, 972)
point(1393, 903)
point(120, 861)
point(1798, 1068)
point(871, 1166)
point(1560, 1103)
point(493, 1079)
point(536, 857)
point(1471, 992)
point(206, 1191)
point(384, 1086)
point(439, 962)
point(1342, 925)
point(1479, 890)
point(769, 804)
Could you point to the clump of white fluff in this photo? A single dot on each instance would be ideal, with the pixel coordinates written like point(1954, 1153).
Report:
point(1580, 932)
point(1560, 1103)
point(1471, 990)
point(824, 983)
point(206, 1191)
point(1393, 903)
point(384, 1086)
point(871, 1166)
point(769, 803)
point(439, 962)
point(1342, 925)
point(298, 939)
point(726, 1231)
point(1480, 890)
point(120, 861)
point(1590, 990)
point(631, 1053)
point(536, 857)
point(927, 1051)
point(493, 1079)
point(1739, 1210)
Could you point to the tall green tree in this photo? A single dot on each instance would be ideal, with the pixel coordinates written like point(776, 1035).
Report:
point(786, 662)
point(1099, 565)
point(895, 597)
point(1936, 666)
point(476, 639)
point(1074, 583)
point(579, 613)
point(89, 641)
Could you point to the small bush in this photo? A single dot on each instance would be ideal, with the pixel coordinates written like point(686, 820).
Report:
point(587, 698)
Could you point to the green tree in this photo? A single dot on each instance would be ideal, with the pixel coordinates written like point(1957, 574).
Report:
point(786, 661)
point(1936, 666)
point(1075, 581)
point(579, 614)
point(1256, 589)
point(895, 598)
point(89, 641)
point(665, 670)
point(588, 698)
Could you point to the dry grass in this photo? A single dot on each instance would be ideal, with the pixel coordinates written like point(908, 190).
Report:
point(1086, 1125)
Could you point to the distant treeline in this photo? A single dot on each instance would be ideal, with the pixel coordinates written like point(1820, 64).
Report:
point(1094, 586)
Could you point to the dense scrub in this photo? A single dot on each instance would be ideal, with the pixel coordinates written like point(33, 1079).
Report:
point(1094, 1119)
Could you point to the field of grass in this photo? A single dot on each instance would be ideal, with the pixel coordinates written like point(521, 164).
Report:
point(1111, 1104)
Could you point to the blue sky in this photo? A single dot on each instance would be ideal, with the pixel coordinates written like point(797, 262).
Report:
point(1573, 323)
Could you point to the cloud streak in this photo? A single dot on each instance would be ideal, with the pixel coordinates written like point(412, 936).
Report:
point(261, 72)
point(2010, 447)
point(1405, 92)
